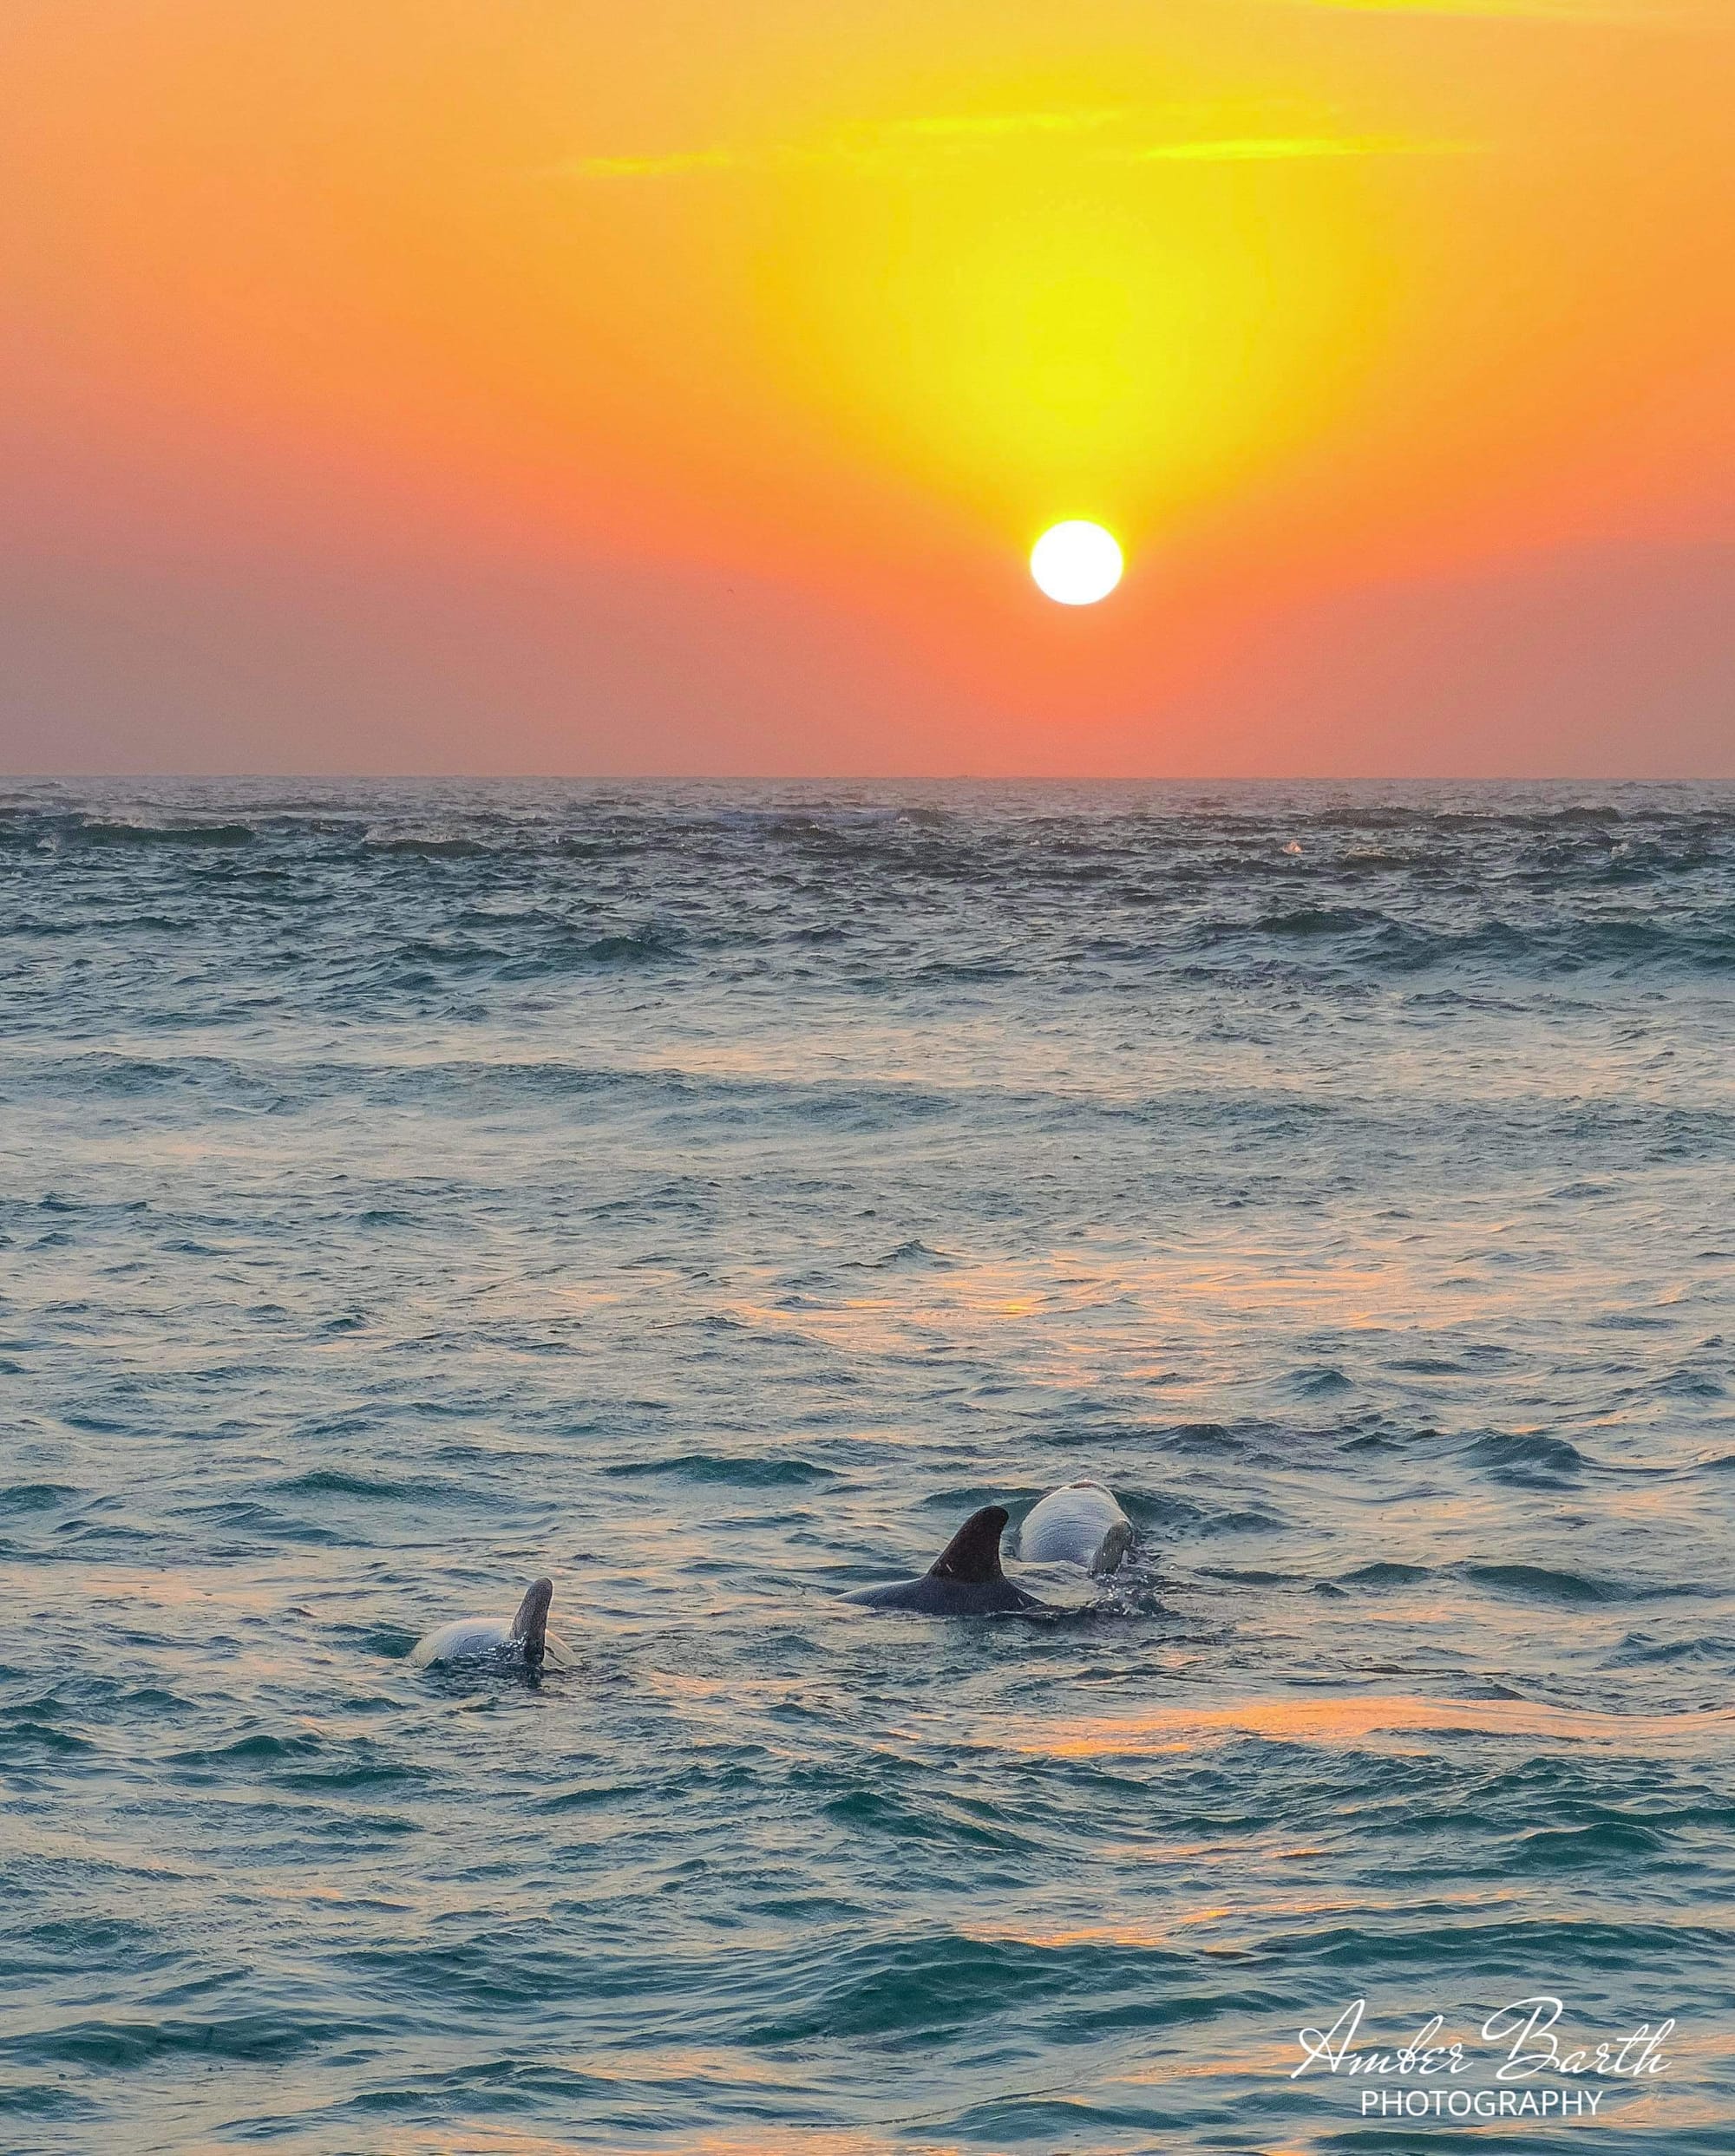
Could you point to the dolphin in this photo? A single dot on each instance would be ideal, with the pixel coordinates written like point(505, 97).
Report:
point(519, 1643)
point(964, 1580)
point(1078, 1524)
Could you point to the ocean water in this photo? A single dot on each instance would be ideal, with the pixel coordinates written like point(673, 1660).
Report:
point(708, 1194)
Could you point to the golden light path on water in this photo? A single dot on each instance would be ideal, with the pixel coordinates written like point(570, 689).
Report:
point(1352, 1719)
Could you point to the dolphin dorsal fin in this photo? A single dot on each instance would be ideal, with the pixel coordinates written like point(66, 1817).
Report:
point(973, 1553)
point(530, 1626)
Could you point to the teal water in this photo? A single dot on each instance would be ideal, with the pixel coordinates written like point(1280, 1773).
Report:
point(709, 1195)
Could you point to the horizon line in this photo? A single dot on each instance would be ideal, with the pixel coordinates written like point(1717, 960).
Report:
point(883, 778)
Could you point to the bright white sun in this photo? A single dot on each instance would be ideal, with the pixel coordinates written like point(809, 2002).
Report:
point(1076, 563)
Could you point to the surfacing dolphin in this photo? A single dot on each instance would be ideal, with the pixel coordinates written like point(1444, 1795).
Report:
point(964, 1580)
point(519, 1643)
point(1078, 1524)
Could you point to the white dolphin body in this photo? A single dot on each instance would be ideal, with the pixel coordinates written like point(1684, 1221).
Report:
point(521, 1641)
point(1079, 1524)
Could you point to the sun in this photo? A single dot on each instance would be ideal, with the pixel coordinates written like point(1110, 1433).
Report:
point(1077, 563)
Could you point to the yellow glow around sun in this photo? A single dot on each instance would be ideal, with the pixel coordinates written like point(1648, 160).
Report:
point(1077, 563)
point(1035, 321)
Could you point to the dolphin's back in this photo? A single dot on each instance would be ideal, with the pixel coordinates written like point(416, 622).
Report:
point(520, 1641)
point(1080, 1524)
point(964, 1580)
point(465, 1639)
point(928, 1597)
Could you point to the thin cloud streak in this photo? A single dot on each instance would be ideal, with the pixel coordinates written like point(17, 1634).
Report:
point(870, 146)
point(1257, 148)
point(1589, 13)
point(866, 144)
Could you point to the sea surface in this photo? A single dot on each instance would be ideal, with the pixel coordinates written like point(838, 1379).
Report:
point(708, 1194)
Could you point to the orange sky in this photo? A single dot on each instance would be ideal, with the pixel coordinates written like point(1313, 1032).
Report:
point(509, 385)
